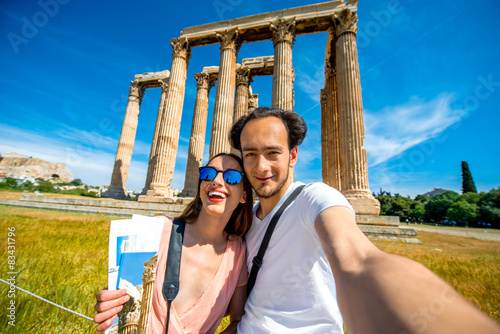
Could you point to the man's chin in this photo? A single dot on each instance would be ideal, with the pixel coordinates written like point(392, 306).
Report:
point(267, 192)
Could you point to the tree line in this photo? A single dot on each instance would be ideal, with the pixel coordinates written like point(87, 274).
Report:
point(469, 209)
point(44, 186)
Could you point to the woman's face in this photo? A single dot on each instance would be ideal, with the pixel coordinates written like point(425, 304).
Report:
point(217, 196)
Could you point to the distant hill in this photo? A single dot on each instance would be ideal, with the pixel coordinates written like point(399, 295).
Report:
point(18, 165)
point(434, 192)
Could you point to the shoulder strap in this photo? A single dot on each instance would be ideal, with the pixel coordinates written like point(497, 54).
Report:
point(257, 260)
point(173, 267)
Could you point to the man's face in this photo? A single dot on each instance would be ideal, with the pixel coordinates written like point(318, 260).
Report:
point(266, 157)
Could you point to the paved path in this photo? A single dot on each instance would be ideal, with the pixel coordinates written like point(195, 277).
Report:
point(475, 233)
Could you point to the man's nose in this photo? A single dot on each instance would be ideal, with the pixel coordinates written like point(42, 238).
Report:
point(262, 164)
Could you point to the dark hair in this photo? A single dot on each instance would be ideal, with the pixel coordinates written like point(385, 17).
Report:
point(295, 125)
point(240, 220)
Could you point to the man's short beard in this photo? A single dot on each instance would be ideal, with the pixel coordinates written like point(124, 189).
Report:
point(270, 193)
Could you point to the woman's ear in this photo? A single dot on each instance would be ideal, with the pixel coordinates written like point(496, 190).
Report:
point(243, 197)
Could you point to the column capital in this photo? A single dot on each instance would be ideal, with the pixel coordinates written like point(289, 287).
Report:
point(204, 81)
point(150, 270)
point(253, 101)
point(181, 48)
point(345, 22)
point(136, 90)
point(163, 84)
point(243, 76)
point(229, 39)
point(283, 30)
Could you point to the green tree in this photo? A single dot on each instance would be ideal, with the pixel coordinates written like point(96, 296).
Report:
point(438, 205)
point(422, 199)
point(8, 183)
point(401, 207)
point(76, 182)
point(470, 197)
point(45, 187)
point(27, 185)
point(418, 210)
point(467, 181)
point(385, 204)
point(463, 211)
point(490, 208)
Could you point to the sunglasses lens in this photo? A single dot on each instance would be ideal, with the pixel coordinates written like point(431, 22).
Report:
point(232, 177)
point(207, 174)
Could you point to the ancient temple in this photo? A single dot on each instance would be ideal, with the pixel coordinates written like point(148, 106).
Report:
point(344, 162)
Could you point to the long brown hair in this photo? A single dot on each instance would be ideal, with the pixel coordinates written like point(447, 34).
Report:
point(240, 220)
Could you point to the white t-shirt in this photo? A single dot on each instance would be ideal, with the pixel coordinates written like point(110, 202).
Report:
point(295, 289)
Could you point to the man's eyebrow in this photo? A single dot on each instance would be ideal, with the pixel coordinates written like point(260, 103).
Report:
point(275, 147)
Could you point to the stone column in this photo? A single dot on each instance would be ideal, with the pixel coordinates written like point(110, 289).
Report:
point(243, 80)
point(152, 154)
point(332, 150)
point(198, 130)
point(128, 321)
point(224, 97)
point(168, 137)
point(283, 37)
point(354, 170)
point(325, 171)
point(253, 102)
point(148, 279)
point(126, 143)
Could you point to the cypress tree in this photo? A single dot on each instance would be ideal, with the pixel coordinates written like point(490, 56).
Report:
point(467, 181)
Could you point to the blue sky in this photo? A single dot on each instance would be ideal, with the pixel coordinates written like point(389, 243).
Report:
point(429, 74)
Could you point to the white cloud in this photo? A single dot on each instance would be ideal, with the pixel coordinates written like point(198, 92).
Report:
point(86, 138)
point(395, 129)
point(311, 85)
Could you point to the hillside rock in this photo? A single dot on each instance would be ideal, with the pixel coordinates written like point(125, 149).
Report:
point(435, 192)
point(19, 165)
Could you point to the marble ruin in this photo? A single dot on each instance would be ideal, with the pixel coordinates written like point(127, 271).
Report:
point(344, 161)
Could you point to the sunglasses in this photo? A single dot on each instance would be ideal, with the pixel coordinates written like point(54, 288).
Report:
point(230, 176)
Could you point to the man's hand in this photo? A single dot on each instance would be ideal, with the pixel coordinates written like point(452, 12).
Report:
point(108, 304)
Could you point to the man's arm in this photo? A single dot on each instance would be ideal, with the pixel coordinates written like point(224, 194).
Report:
point(384, 293)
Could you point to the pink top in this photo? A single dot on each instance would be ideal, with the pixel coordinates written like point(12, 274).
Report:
point(206, 314)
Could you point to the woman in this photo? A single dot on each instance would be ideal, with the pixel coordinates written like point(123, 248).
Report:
point(213, 269)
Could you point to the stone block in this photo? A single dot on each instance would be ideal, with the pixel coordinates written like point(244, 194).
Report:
point(365, 205)
point(377, 220)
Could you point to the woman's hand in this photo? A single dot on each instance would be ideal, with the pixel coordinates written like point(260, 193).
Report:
point(108, 304)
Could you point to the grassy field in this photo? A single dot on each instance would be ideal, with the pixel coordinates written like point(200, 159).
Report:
point(471, 266)
point(59, 256)
point(63, 257)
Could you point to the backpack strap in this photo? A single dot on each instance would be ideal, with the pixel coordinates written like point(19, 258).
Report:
point(257, 260)
point(172, 270)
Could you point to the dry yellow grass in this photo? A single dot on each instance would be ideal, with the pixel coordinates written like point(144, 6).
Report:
point(59, 256)
point(63, 257)
point(471, 266)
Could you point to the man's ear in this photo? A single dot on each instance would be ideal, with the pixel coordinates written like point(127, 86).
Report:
point(293, 156)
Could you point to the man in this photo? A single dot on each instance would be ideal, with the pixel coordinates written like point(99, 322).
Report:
point(317, 236)
point(318, 256)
